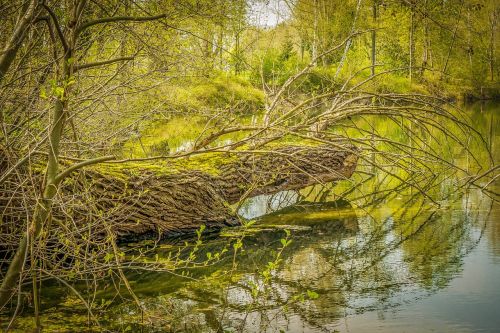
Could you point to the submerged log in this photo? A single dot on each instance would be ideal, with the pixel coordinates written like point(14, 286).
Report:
point(174, 198)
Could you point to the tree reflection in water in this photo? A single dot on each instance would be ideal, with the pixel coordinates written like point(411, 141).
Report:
point(343, 260)
point(354, 259)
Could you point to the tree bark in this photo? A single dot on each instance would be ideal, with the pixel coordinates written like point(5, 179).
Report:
point(16, 40)
point(374, 37)
point(142, 203)
point(412, 47)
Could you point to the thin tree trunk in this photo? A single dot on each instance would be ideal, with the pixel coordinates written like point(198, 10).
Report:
point(349, 42)
point(493, 24)
point(220, 47)
point(237, 53)
point(315, 33)
point(470, 48)
point(16, 40)
point(374, 36)
point(426, 51)
point(43, 209)
point(412, 28)
point(452, 41)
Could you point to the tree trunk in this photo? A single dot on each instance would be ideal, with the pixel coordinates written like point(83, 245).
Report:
point(493, 25)
point(9, 52)
point(426, 45)
point(374, 36)
point(169, 201)
point(453, 38)
point(43, 209)
point(314, 54)
point(412, 47)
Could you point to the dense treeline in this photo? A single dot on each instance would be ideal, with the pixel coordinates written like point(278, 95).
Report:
point(435, 45)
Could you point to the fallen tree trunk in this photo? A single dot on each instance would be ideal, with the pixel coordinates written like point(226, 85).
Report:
point(139, 200)
point(173, 198)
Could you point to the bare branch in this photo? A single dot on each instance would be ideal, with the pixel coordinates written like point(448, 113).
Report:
point(58, 27)
point(101, 63)
point(119, 19)
point(10, 50)
point(80, 165)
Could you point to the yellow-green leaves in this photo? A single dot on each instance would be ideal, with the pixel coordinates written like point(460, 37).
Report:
point(108, 257)
point(312, 294)
point(57, 89)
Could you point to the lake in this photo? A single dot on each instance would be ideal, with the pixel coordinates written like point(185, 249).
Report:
point(320, 260)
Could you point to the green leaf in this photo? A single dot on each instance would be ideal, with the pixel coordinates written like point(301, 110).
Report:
point(43, 93)
point(238, 244)
point(249, 223)
point(59, 92)
point(108, 257)
point(312, 294)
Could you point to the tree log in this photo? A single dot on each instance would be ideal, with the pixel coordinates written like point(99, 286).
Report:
point(139, 200)
point(174, 198)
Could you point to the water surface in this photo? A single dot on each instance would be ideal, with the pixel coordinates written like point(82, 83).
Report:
point(391, 262)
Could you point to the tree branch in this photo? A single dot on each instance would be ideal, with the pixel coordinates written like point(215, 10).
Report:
point(58, 27)
point(101, 63)
point(212, 137)
point(80, 165)
point(119, 19)
point(9, 52)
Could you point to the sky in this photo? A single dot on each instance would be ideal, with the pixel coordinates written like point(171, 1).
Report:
point(268, 13)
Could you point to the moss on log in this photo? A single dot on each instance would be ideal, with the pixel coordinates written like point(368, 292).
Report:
point(173, 198)
point(137, 200)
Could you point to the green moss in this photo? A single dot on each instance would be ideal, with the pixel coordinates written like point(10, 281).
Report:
point(208, 163)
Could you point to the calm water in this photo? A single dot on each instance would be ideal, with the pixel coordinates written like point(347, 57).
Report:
point(469, 301)
point(401, 264)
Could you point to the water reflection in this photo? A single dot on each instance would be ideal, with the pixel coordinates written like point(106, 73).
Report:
point(356, 260)
point(265, 204)
point(384, 260)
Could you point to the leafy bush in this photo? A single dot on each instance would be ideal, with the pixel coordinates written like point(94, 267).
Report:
point(276, 65)
point(228, 92)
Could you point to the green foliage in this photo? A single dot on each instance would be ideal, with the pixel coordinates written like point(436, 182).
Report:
point(312, 294)
point(319, 80)
point(227, 92)
point(275, 65)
